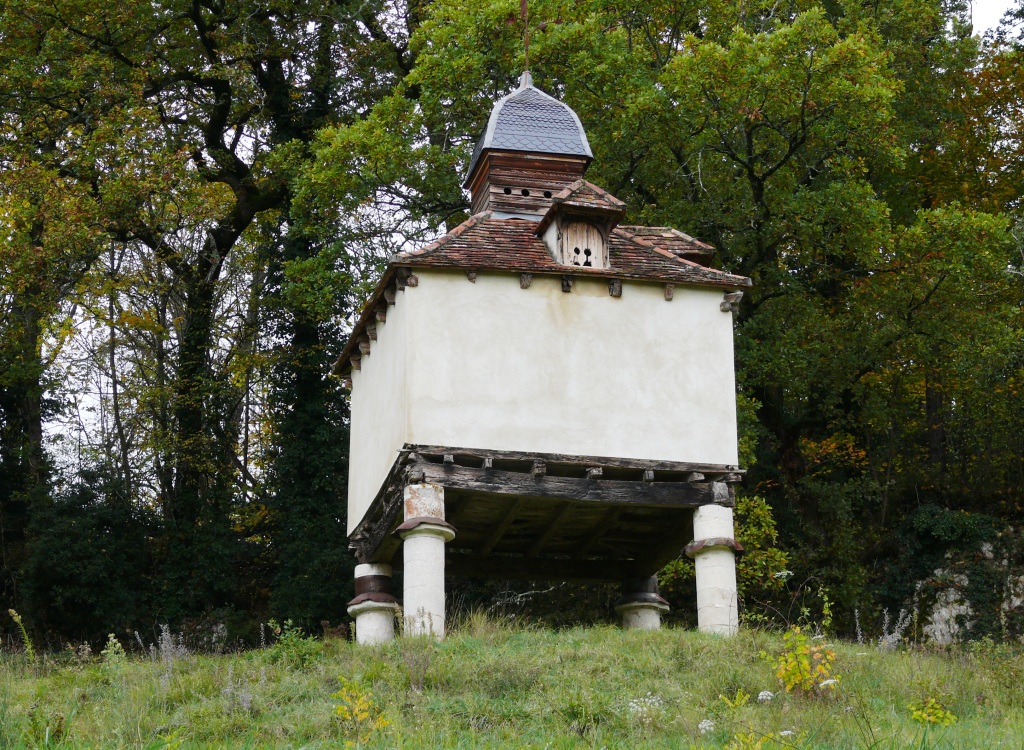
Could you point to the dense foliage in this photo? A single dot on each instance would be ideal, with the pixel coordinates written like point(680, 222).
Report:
point(194, 197)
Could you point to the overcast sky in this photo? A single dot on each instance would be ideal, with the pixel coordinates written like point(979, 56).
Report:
point(986, 13)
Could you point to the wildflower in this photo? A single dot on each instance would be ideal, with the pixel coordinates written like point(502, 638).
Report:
point(826, 683)
point(706, 726)
point(645, 704)
point(765, 696)
point(782, 574)
point(786, 733)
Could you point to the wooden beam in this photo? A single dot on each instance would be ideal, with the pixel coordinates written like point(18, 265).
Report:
point(559, 458)
point(599, 491)
point(539, 469)
point(541, 569)
point(669, 547)
point(550, 531)
point(602, 528)
point(499, 530)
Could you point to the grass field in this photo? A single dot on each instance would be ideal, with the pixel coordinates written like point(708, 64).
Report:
point(492, 686)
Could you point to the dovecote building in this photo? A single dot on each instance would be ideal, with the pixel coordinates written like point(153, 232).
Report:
point(543, 393)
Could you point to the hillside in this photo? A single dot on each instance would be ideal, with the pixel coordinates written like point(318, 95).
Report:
point(489, 685)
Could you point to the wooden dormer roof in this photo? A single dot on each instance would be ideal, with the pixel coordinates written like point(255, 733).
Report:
point(585, 198)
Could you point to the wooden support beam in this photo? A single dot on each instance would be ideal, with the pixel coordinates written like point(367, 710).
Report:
point(611, 517)
point(499, 531)
point(503, 567)
point(648, 475)
point(598, 491)
point(449, 458)
point(695, 476)
point(488, 463)
point(550, 531)
point(731, 472)
point(669, 547)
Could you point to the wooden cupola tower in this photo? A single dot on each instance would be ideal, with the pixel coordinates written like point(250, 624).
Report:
point(543, 393)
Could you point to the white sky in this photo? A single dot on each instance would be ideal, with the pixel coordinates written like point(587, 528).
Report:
point(986, 13)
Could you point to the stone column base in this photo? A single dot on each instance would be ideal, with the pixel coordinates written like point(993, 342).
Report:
point(375, 621)
point(641, 615)
point(641, 605)
point(374, 607)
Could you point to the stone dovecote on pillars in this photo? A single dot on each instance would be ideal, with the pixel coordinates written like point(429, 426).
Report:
point(543, 393)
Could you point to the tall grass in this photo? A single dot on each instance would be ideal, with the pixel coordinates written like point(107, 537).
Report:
point(490, 685)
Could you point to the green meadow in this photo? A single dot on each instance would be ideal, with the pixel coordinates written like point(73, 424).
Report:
point(489, 685)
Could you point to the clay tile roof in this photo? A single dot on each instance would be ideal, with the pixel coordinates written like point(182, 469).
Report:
point(483, 242)
point(530, 120)
point(587, 195)
point(672, 240)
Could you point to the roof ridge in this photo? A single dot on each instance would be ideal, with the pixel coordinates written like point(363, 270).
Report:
point(644, 243)
point(603, 193)
point(568, 190)
point(440, 242)
point(672, 230)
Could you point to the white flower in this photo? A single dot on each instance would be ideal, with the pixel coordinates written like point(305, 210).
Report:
point(787, 733)
point(826, 683)
point(706, 726)
point(782, 574)
point(765, 696)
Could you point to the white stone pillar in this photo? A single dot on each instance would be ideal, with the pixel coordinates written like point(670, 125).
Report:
point(424, 535)
point(374, 607)
point(640, 605)
point(713, 550)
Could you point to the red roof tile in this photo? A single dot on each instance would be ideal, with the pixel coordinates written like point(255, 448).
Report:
point(485, 243)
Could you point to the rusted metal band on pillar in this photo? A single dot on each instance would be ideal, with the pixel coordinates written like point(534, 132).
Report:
point(641, 597)
point(412, 523)
point(373, 596)
point(694, 547)
point(373, 584)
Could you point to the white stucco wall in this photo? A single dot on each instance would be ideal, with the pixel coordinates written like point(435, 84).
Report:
point(379, 411)
point(491, 365)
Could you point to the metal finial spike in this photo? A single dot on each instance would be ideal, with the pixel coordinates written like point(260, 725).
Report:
point(524, 13)
point(526, 80)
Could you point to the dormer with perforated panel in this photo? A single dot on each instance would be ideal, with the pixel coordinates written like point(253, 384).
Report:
point(534, 147)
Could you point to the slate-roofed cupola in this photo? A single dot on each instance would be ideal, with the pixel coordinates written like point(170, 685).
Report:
point(543, 393)
point(533, 147)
